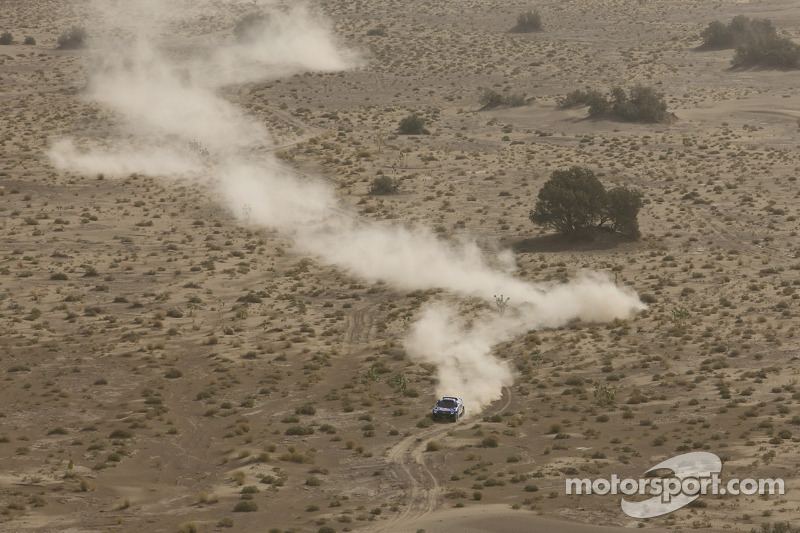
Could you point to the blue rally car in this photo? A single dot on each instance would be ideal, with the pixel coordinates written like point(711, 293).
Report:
point(450, 407)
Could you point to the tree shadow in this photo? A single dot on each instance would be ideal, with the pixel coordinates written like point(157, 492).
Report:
point(603, 240)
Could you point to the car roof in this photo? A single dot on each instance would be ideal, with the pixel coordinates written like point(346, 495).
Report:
point(450, 398)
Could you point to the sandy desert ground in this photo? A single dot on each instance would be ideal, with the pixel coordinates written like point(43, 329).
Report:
point(165, 358)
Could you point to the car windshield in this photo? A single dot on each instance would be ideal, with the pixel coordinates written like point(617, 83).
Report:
point(446, 403)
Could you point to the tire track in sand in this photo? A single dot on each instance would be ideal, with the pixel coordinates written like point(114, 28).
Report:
point(422, 491)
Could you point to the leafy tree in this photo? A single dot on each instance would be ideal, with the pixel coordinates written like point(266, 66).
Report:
point(622, 209)
point(413, 124)
point(571, 202)
point(574, 202)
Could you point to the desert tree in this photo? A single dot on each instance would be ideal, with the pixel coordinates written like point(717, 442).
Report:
point(571, 202)
point(622, 210)
point(575, 203)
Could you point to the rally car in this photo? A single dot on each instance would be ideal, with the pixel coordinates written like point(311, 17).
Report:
point(450, 407)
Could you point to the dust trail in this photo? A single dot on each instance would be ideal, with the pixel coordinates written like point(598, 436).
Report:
point(462, 350)
point(165, 86)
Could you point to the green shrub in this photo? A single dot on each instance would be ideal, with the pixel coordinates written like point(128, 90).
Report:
point(6, 38)
point(29, 40)
point(527, 22)
point(73, 38)
point(413, 124)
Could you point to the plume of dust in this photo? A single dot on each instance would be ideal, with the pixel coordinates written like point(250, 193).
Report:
point(462, 351)
point(170, 101)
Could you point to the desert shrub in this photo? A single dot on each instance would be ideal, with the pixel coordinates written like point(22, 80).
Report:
point(379, 31)
point(383, 185)
point(579, 98)
point(121, 434)
point(413, 124)
point(739, 31)
point(527, 22)
point(250, 27)
point(306, 409)
point(299, 430)
point(433, 446)
point(491, 99)
point(490, 442)
point(173, 373)
point(756, 41)
point(73, 38)
point(574, 202)
point(774, 52)
point(639, 104)
point(246, 506)
point(29, 40)
point(6, 38)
